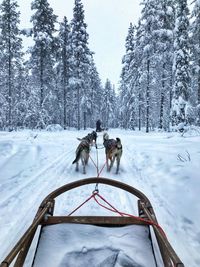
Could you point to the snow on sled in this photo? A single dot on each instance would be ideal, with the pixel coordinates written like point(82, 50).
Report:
point(98, 241)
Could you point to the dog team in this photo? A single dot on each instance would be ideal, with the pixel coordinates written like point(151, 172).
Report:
point(113, 150)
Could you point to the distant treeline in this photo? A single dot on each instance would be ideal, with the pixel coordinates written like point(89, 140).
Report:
point(56, 81)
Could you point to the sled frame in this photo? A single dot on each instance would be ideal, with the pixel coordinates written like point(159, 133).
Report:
point(44, 216)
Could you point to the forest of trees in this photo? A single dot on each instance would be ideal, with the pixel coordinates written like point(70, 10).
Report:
point(160, 80)
point(56, 81)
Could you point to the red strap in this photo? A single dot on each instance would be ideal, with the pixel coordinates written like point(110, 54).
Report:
point(113, 209)
point(80, 205)
point(126, 214)
point(101, 169)
point(98, 173)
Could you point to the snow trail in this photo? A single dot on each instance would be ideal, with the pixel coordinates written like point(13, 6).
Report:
point(35, 163)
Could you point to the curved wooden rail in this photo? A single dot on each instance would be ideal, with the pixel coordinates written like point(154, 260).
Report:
point(95, 180)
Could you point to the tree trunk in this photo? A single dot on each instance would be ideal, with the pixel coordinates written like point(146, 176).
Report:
point(139, 112)
point(162, 99)
point(9, 82)
point(147, 97)
point(84, 120)
point(92, 122)
point(161, 109)
point(64, 87)
point(198, 92)
point(78, 108)
point(9, 90)
point(199, 83)
point(41, 79)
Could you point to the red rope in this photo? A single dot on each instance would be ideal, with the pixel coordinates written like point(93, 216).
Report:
point(81, 205)
point(127, 214)
point(93, 162)
point(101, 169)
point(113, 209)
point(98, 172)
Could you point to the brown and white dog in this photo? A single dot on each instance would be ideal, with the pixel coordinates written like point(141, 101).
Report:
point(83, 150)
point(113, 149)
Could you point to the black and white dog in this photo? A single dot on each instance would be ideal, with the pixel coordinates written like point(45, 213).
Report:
point(83, 150)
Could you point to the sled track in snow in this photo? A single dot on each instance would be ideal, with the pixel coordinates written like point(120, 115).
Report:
point(34, 182)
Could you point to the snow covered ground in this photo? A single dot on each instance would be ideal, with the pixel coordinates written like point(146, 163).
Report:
point(165, 166)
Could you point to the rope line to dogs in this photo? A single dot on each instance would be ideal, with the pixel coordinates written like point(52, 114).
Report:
point(96, 186)
point(80, 205)
point(97, 166)
point(97, 161)
point(98, 172)
point(95, 194)
point(113, 209)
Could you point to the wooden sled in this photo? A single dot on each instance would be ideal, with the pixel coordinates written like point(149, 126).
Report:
point(95, 240)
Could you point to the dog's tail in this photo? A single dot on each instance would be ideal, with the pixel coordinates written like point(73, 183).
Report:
point(119, 144)
point(77, 156)
point(74, 160)
point(105, 136)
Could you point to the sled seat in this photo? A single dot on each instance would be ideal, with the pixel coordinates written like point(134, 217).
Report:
point(78, 245)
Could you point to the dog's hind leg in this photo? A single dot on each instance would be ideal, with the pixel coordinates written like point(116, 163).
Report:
point(77, 166)
point(112, 162)
point(118, 162)
point(83, 164)
point(84, 171)
point(107, 163)
point(86, 160)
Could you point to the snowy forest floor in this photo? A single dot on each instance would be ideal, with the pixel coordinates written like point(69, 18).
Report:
point(164, 166)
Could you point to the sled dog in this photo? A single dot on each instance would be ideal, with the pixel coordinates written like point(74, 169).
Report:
point(83, 150)
point(82, 153)
point(113, 150)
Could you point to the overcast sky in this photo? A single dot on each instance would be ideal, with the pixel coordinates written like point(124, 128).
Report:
point(108, 22)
